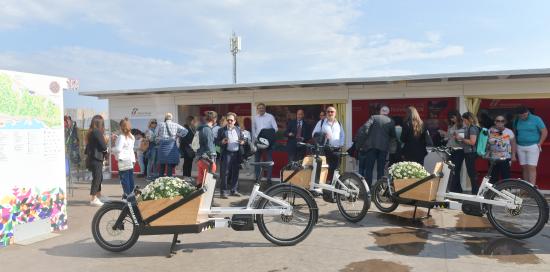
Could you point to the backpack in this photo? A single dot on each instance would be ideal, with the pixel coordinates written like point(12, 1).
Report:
point(481, 142)
point(195, 143)
point(362, 135)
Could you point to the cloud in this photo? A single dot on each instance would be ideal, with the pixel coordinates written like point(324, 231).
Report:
point(99, 69)
point(282, 40)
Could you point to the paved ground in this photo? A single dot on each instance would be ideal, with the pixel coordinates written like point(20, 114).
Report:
point(449, 241)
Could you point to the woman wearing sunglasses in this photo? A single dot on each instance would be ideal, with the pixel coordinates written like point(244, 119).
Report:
point(502, 145)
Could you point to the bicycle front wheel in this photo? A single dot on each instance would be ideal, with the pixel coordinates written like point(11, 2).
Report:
point(287, 230)
point(109, 237)
point(527, 219)
point(382, 196)
point(355, 206)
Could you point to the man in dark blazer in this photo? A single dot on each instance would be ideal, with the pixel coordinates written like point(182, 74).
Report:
point(297, 131)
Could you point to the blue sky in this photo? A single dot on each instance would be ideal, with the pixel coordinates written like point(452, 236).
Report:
point(139, 44)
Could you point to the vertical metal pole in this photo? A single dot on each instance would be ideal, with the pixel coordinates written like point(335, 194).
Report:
point(234, 68)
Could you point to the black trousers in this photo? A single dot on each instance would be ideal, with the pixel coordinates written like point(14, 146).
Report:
point(296, 154)
point(470, 159)
point(457, 158)
point(96, 167)
point(187, 166)
point(501, 170)
point(333, 161)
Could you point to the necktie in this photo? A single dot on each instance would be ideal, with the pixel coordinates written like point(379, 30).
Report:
point(299, 130)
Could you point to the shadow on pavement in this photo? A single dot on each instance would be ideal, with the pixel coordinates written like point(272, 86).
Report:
point(89, 249)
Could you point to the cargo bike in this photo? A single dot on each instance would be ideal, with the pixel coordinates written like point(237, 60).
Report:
point(349, 190)
point(284, 214)
point(514, 207)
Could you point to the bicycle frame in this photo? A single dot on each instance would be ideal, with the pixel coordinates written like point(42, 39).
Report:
point(509, 200)
point(285, 209)
point(314, 183)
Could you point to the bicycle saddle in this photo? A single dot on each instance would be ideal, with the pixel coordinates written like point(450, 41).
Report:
point(262, 164)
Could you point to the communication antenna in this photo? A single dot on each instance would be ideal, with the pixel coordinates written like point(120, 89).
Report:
point(235, 47)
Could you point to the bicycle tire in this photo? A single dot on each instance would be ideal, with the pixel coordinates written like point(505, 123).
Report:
point(96, 229)
point(286, 191)
point(363, 194)
point(534, 194)
point(380, 190)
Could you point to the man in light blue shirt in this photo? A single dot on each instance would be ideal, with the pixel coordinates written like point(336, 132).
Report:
point(530, 135)
point(261, 121)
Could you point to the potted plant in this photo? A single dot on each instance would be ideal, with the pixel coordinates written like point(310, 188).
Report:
point(407, 173)
point(163, 192)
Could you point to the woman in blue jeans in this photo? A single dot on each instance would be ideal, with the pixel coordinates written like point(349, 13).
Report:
point(124, 151)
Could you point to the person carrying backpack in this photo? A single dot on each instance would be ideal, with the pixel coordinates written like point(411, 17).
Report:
point(379, 132)
point(206, 145)
point(468, 143)
point(187, 152)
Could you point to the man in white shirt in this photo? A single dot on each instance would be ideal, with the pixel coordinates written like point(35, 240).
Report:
point(334, 138)
point(261, 121)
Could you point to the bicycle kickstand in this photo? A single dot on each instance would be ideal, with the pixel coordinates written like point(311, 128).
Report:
point(173, 246)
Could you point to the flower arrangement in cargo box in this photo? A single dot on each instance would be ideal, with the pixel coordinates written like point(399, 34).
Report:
point(166, 187)
point(408, 170)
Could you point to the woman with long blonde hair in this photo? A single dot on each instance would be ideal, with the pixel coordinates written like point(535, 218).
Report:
point(124, 151)
point(415, 137)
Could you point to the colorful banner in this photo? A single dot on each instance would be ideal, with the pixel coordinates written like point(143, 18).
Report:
point(32, 154)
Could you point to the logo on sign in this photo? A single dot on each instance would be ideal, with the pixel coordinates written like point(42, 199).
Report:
point(54, 87)
point(135, 112)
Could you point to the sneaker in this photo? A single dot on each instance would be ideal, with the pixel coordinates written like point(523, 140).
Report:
point(235, 194)
point(96, 202)
point(223, 196)
point(104, 199)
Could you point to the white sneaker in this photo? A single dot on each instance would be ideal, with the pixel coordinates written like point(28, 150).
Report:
point(96, 202)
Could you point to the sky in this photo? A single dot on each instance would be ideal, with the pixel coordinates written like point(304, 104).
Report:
point(123, 44)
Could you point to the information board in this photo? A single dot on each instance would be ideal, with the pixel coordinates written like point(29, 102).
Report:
point(32, 155)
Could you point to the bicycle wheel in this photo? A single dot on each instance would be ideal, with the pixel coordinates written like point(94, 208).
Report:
point(287, 230)
point(382, 198)
point(114, 240)
point(527, 219)
point(354, 207)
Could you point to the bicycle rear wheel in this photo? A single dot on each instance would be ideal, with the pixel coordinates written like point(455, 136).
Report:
point(114, 239)
point(287, 230)
point(527, 219)
point(354, 207)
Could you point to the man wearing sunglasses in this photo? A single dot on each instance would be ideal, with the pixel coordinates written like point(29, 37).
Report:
point(333, 133)
point(230, 139)
point(502, 145)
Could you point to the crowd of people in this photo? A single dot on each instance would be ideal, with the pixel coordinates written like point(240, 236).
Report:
point(382, 140)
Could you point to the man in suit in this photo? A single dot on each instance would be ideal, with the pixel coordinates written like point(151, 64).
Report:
point(297, 131)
